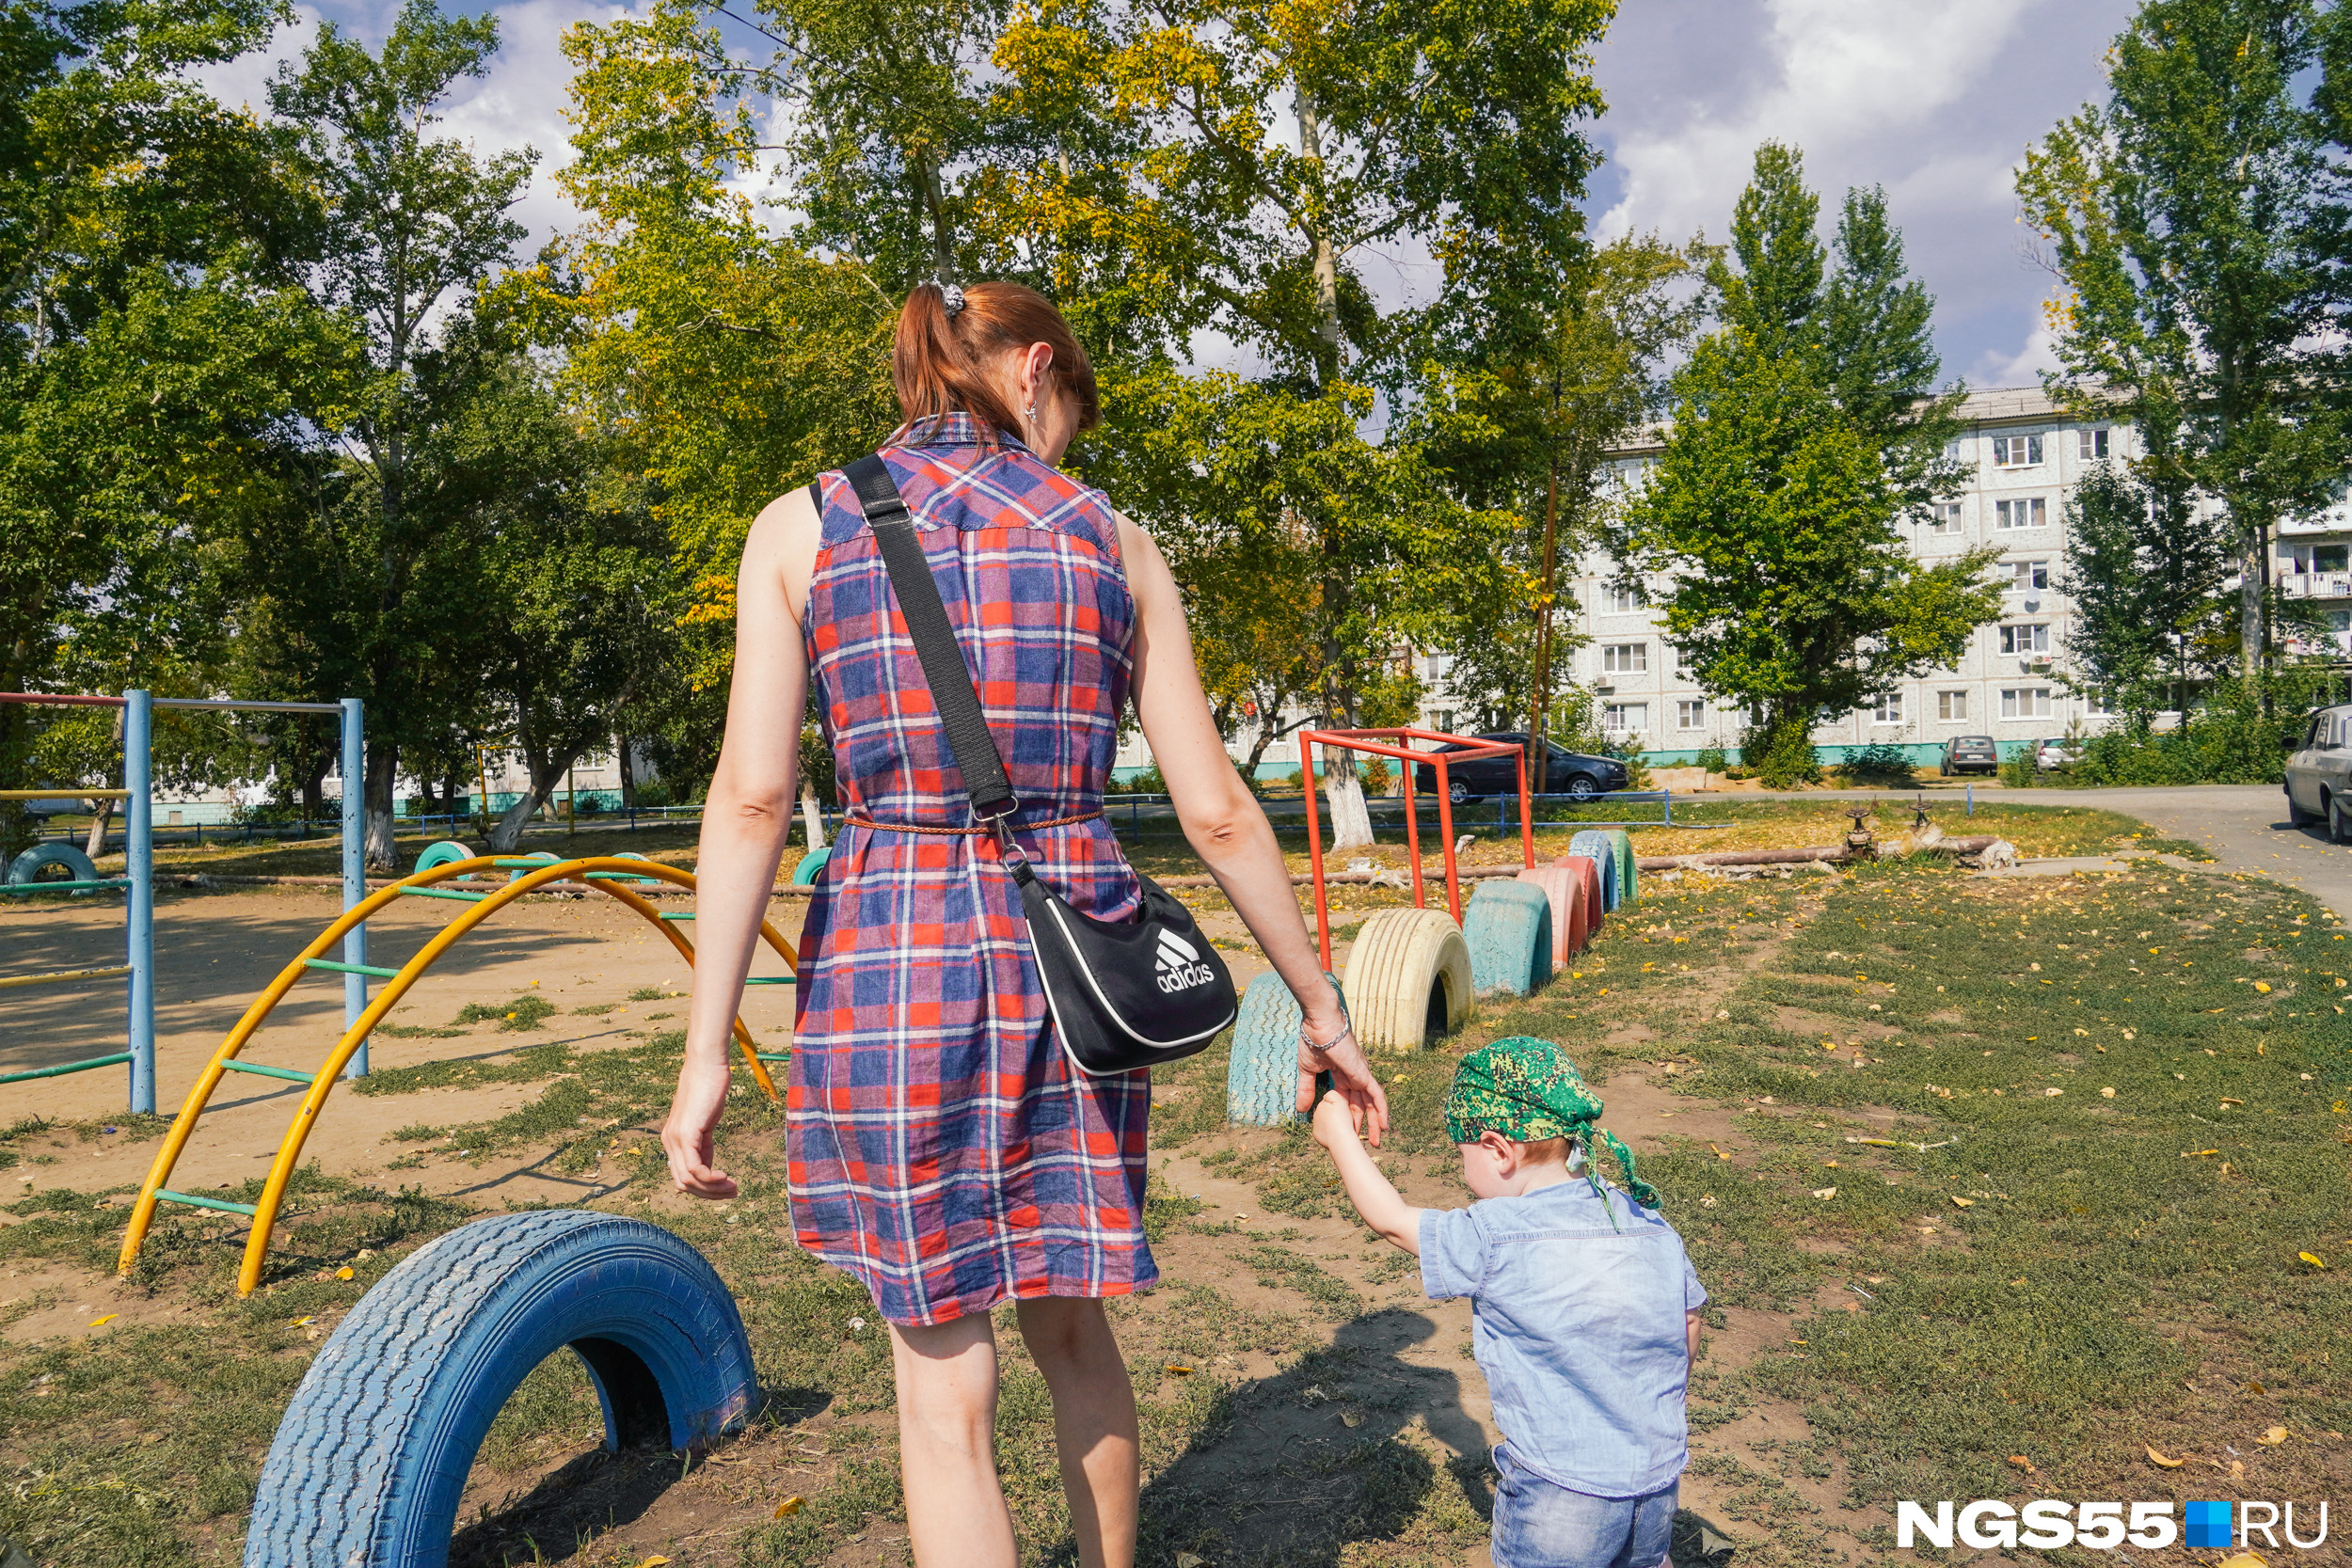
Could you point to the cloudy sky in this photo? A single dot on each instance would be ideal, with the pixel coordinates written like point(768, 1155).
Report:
point(1935, 100)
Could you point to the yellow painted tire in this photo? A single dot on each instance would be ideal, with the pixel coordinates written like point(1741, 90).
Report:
point(1408, 976)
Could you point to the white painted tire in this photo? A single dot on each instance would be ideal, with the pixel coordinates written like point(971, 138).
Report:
point(1407, 965)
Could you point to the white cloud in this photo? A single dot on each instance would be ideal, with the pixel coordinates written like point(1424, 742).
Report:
point(2022, 369)
point(1850, 73)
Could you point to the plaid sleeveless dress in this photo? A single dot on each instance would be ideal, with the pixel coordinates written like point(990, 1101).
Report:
point(942, 1146)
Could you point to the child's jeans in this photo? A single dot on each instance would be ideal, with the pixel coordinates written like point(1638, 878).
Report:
point(1538, 1524)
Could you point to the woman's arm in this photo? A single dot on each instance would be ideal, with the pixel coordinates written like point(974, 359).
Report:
point(745, 818)
point(1227, 827)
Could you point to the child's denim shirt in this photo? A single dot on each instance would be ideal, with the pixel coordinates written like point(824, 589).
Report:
point(1578, 1330)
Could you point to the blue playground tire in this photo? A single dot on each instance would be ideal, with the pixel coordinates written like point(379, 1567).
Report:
point(1261, 1074)
point(447, 852)
point(1508, 927)
point(27, 866)
point(371, 1460)
point(1629, 874)
point(1597, 848)
point(812, 865)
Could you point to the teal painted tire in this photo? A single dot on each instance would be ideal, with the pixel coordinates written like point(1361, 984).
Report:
point(448, 852)
point(637, 881)
point(1597, 846)
point(1261, 1074)
point(1508, 927)
point(812, 865)
point(1629, 876)
point(28, 866)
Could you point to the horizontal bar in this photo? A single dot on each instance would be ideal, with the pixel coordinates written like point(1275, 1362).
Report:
point(263, 1071)
point(164, 1195)
point(377, 971)
point(63, 977)
point(64, 792)
point(13, 889)
point(773, 1055)
point(69, 1066)
point(680, 914)
point(248, 708)
point(619, 876)
point(444, 893)
point(58, 698)
point(772, 980)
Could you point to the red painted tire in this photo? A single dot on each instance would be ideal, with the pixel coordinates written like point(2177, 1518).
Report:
point(1588, 870)
point(1570, 897)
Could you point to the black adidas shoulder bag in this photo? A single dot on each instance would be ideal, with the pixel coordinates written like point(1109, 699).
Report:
point(1123, 994)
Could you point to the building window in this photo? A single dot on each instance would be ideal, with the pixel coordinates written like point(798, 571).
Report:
point(1631, 717)
point(1890, 709)
point(2026, 637)
point(2016, 452)
point(1951, 704)
point(1690, 716)
point(2026, 701)
point(1618, 597)
point(1944, 518)
point(2027, 576)
point(2331, 557)
point(2099, 701)
point(1442, 721)
point(2091, 445)
point(1625, 658)
point(2032, 513)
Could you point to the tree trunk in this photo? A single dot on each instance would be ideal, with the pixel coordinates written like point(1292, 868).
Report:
point(1351, 819)
point(95, 843)
point(383, 766)
point(628, 772)
point(812, 816)
point(547, 770)
point(2249, 598)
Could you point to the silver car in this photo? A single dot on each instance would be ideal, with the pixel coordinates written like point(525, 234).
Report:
point(2319, 775)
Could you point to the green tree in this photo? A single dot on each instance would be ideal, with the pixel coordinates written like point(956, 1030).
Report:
point(2145, 569)
point(1804, 429)
point(2198, 221)
point(376, 581)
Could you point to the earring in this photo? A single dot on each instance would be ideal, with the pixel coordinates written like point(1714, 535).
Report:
point(1033, 413)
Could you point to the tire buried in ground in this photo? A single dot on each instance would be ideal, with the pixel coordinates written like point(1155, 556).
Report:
point(1507, 928)
point(371, 1457)
point(1409, 978)
point(1261, 1074)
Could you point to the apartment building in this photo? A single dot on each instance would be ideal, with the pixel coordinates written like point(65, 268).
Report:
point(2024, 456)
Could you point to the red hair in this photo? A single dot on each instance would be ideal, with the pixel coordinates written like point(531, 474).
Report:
point(943, 364)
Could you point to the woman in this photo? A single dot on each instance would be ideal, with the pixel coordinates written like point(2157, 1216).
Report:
point(941, 1147)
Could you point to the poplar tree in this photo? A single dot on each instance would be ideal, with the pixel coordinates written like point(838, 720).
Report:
point(2198, 221)
point(1805, 428)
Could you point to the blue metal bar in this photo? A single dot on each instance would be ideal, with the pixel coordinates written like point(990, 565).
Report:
point(164, 1195)
point(377, 971)
point(355, 766)
point(138, 852)
point(262, 1069)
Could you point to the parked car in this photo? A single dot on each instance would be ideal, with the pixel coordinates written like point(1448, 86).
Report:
point(2052, 755)
point(2319, 773)
point(1567, 773)
point(1969, 753)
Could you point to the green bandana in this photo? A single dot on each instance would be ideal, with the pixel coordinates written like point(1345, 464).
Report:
point(1527, 1090)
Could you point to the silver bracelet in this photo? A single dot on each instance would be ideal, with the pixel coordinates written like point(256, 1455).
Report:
point(1309, 1041)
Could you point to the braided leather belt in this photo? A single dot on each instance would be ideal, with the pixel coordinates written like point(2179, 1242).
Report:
point(870, 823)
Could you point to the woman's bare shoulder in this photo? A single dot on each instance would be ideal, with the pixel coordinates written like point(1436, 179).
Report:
point(785, 539)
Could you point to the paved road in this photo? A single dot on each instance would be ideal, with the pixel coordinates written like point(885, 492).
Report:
point(2243, 827)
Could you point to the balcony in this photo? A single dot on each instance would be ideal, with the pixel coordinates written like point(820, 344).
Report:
point(2316, 585)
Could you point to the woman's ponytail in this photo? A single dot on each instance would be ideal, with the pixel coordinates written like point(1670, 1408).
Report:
point(943, 359)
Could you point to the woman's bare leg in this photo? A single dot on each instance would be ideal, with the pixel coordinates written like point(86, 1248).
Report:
point(947, 1375)
point(1094, 1422)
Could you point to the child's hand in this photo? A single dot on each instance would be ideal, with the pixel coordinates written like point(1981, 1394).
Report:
point(1335, 1122)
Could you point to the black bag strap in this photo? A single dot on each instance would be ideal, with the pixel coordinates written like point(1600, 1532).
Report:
point(944, 670)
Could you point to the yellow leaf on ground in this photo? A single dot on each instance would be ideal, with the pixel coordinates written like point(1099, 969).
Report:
point(2198, 1153)
point(301, 1323)
point(2226, 1101)
point(1958, 1203)
point(790, 1506)
point(653, 1562)
point(344, 1273)
point(100, 1323)
point(2313, 1258)
point(2107, 1094)
point(2242, 1559)
point(2023, 1463)
point(2272, 1438)
point(1180, 1371)
point(2262, 985)
point(1825, 1192)
point(2167, 1464)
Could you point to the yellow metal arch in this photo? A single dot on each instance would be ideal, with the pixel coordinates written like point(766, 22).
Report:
point(264, 1213)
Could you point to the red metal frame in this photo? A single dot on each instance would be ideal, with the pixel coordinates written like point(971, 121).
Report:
point(1370, 743)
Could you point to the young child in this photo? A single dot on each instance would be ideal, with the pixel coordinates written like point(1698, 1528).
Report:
point(1587, 1308)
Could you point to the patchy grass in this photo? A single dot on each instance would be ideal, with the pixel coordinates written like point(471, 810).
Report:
point(525, 1012)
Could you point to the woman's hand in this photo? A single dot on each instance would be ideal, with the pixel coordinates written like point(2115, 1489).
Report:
point(686, 1137)
point(1352, 1077)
